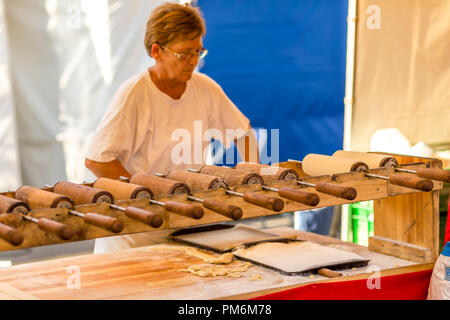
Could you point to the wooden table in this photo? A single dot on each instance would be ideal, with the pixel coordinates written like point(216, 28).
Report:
point(150, 273)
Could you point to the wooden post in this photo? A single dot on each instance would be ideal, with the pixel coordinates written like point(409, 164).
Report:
point(407, 225)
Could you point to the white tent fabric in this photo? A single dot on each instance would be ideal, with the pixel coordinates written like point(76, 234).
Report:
point(67, 59)
point(9, 160)
point(402, 71)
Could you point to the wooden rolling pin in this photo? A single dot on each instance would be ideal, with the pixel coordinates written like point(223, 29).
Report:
point(324, 164)
point(336, 190)
point(233, 176)
point(41, 199)
point(160, 185)
point(374, 160)
point(61, 230)
point(99, 220)
point(261, 200)
point(272, 174)
point(379, 160)
point(333, 189)
point(81, 194)
point(11, 235)
point(268, 173)
point(308, 198)
point(429, 173)
point(11, 205)
point(405, 180)
point(185, 209)
point(227, 210)
point(122, 190)
point(148, 217)
point(318, 165)
point(198, 181)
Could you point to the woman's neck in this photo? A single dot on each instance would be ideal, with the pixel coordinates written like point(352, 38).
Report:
point(172, 88)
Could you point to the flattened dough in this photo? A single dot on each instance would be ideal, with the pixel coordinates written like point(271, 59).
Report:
point(209, 270)
point(222, 259)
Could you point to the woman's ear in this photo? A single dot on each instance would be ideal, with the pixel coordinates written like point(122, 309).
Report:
point(156, 51)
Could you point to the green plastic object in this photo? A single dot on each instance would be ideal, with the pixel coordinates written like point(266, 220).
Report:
point(362, 222)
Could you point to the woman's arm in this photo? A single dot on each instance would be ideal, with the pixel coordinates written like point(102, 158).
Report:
point(247, 147)
point(112, 169)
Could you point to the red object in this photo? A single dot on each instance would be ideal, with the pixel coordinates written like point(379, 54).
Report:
point(408, 286)
point(447, 229)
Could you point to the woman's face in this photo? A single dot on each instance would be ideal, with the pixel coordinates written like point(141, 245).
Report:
point(178, 59)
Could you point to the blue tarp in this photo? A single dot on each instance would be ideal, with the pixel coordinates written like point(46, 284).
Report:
point(283, 64)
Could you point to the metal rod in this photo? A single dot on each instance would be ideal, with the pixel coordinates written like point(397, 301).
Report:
point(29, 218)
point(193, 170)
point(405, 170)
point(157, 202)
point(195, 199)
point(113, 206)
point(124, 179)
point(293, 160)
point(234, 193)
point(76, 213)
point(269, 188)
point(159, 175)
point(48, 186)
point(376, 176)
point(306, 183)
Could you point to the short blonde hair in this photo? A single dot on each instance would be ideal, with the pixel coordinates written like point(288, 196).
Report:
point(171, 21)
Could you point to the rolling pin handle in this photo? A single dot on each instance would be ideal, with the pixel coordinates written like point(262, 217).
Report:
point(271, 203)
point(343, 192)
point(411, 182)
point(308, 198)
point(102, 221)
point(185, 209)
point(61, 230)
point(227, 210)
point(434, 174)
point(10, 235)
point(150, 218)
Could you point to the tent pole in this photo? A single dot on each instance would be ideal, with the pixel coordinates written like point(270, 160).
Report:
point(346, 217)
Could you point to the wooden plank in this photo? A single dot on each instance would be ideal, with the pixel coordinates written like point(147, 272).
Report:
point(14, 293)
point(400, 249)
point(411, 218)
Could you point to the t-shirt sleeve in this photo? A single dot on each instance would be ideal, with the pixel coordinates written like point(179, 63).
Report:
point(226, 117)
point(115, 136)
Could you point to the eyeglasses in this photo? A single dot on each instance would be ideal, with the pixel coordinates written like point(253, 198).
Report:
point(200, 53)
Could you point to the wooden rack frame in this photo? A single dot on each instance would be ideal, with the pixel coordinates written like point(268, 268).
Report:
point(406, 221)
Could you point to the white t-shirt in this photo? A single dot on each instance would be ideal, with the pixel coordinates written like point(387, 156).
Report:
point(148, 131)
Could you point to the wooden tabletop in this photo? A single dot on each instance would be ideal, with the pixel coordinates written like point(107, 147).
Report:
point(152, 273)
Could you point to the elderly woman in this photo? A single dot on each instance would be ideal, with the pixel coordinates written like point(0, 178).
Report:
point(141, 130)
point(154, 110)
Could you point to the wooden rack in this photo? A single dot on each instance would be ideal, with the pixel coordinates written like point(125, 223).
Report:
point(406, 221)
